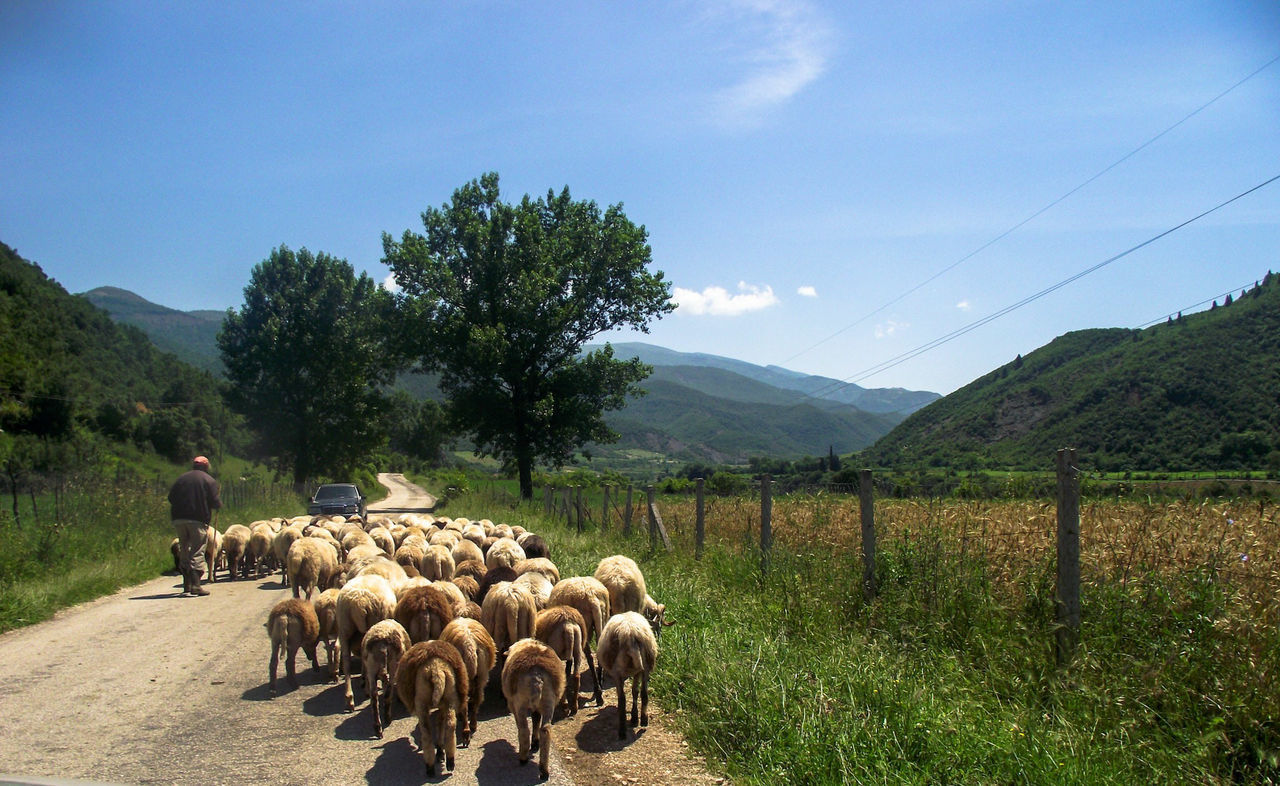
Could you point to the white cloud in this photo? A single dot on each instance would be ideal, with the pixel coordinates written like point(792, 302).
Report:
point(886, 329)
point(789, 50)
point(807, 292)
point(389, 283)
point(717, 301)
point(963, 305)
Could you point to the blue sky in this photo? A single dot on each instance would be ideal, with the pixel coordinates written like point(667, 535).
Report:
point(800, 166)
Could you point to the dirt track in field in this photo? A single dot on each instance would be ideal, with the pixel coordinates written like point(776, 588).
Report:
point(145, 686)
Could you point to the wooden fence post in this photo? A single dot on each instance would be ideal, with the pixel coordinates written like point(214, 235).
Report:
point(577, 508)
point(766, 521)
point(604, 512)
point(1067, 596)
point(565, 497)
point(546, 501)
point(653, 525)
point(866, 498)
point(626, 516)
point(701, 525)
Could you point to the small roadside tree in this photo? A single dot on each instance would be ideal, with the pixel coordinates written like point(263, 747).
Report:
point(308, 359)
point(502, 298)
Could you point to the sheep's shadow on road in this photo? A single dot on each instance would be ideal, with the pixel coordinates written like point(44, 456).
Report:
point(400, 762)
point(500, 763)
point(175, 595)
point(330, 701)
point(600, 733)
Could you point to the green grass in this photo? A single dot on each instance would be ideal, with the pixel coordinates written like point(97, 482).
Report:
point(97, 535)
point(793, 678)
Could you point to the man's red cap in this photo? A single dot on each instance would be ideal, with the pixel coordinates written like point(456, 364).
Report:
point(200, 461)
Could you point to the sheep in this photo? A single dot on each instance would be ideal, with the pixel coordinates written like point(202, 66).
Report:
point(540, 565)
point(457, 600)
point(432, 682)
point(591, 599)
point(380, 652)
point(212, 547)
point(478, 652)
point(310, 564)
point(539, 587)
point(507, 613)
point(628, 648)
point(492, 578)
point(423, 611)
point(533, 682)
point(464, 550)
point(291, 624)
point(383, 540)
point(363, 602)
point(468, 586)
point(656, 614)
point(326, 607)
point(280, 547)
point(622, 577)
point(505, 552)
point(534, 546)
point(473, 568)
point(259, 548)
point(235, 542)
point(410, 552)
point(562, 629)
point(384, 567)
point(176, 551)
point(437, 563)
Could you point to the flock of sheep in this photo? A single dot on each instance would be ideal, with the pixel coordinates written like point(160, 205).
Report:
point(432, 605)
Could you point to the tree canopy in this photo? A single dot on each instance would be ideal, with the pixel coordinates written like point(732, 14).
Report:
point(501, 299)
point(309, 359)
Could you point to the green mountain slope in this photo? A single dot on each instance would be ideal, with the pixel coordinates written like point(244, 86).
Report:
point(1201, 392)
point(191, 335)
point(72, 380)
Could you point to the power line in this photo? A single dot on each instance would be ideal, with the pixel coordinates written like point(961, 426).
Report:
point(937, 342)
point(1213, 299)
point(1037, 213)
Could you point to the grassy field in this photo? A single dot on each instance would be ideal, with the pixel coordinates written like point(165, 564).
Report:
point(948, 676)
point(96, 534)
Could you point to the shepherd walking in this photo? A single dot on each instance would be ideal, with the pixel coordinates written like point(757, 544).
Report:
point(192, 500)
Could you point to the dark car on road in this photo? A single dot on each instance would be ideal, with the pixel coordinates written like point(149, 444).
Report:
point(343, 498)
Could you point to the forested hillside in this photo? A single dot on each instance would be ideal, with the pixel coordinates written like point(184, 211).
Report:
point(72, 381)
point(191, 335)
point(1201, 391)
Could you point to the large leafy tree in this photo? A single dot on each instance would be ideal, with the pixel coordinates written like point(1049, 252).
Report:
point(309, 362)
point(501, 299)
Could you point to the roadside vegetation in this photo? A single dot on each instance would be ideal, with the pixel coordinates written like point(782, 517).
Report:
point(948, 675)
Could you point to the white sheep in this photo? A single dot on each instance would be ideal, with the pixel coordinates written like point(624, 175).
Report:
point(539, 587)
point(326, 607)
point(507, 613)
point(504, 552)
point(235, 542)
point(540, 565)
point(280, 547)
point(479, 654)
point(622, 577)
point(591, 599)
point(628, 649)
point(432, 682)
point(363, 602)
point(292, 624)
point(464, 550)
point(380, 652)
point(533, 682)
point(437, 563)
point(259, 551)
point(310, 564)
point(562, 629)
point(212, 550)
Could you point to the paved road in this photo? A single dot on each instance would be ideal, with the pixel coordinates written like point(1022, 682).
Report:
point(146, 687)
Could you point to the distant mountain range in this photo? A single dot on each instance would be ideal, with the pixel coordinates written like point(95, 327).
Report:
point(699, 407)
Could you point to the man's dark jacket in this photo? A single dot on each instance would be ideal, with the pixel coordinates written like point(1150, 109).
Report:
point(194, 496)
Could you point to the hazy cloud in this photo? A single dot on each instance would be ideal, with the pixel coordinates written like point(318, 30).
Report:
point(389, 283)
point(789, 47)
point(717, 301)
point(886, 329)
point(807, 292)
point(963, 305)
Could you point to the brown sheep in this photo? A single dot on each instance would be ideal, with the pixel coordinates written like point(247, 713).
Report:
point(423, 611)
point(562, 629)
point(326, 606)
point(475, 645)
point(533, 682)
point(292, 624)
point(432, 682)
point(380, 653)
